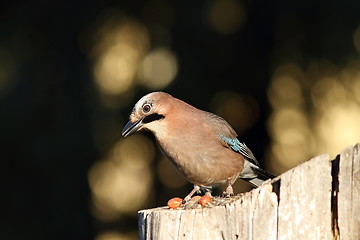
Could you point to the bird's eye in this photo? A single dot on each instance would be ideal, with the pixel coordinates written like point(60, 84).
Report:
point(146, 108)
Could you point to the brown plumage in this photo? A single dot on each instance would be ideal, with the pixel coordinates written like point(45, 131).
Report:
point(198, 143)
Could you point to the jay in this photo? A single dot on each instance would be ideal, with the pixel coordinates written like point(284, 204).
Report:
point(202, 146)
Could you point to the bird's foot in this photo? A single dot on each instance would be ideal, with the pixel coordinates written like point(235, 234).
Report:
point(204, 189)
point(188, 197)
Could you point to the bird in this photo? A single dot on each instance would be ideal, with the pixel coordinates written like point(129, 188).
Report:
point(202, 146)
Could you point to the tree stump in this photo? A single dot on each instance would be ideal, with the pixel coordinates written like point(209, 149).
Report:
point(319, 199)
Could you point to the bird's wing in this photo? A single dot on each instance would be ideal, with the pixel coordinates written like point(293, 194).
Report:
point(241, 148)
point(228, 135)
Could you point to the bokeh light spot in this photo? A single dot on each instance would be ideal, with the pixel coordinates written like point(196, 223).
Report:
point(285, 90)
point(290, 133)
point(288, 125)
point(168, 174)
point(226, 16)
point(356, 88)
point(241, 111)
point(350, 78)
point(158, 69)
point(356, 39)
point(342, 121)
point(326, 91)
point(114, 235)
point(7, 72)
point(121, 182)
point(120, 46)
point(136, 152)
point(326, 121)
point(115, 70)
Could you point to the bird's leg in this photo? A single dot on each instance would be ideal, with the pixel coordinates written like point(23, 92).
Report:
point(205, 189)
point(188, 197)
point(229, 190)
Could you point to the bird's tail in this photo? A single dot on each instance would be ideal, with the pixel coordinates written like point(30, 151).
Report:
point(260, 175)
point(264, 174)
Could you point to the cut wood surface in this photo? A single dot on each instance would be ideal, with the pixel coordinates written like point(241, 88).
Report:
point(348, 198)
point(318, 199)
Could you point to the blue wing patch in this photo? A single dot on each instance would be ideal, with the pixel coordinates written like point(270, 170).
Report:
point(241, 148)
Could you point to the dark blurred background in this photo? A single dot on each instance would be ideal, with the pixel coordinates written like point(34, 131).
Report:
point(285, 74)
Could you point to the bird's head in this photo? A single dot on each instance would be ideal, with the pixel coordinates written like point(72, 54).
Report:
point(148, 112)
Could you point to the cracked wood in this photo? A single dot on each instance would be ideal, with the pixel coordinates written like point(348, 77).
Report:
point(319, 199)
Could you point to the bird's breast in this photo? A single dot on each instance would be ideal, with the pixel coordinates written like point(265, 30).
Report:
point(203, 161)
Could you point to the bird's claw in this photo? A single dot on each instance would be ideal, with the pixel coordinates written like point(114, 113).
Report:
point(186, 199)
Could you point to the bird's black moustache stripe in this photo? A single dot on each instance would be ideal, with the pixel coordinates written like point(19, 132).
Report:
point(152, 117)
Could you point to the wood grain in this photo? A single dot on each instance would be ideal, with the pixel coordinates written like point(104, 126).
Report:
point(319, 199)
point(349, 194)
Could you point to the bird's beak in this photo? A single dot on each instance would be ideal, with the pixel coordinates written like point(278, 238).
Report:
point(131, 128)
